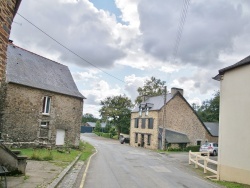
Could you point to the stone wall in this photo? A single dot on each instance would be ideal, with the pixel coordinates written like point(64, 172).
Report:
point(7, 11)
point(23, 116)
point(180, 117)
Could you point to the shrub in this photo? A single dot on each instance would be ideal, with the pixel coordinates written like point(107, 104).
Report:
point(192, 148)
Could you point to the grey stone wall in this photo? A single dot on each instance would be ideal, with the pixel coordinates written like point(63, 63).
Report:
point(23, 115)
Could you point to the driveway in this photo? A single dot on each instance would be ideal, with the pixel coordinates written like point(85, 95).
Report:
point(119, 165)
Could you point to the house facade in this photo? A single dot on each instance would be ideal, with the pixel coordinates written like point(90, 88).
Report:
point(234, 139)
point(43, 105)
point(180, 121)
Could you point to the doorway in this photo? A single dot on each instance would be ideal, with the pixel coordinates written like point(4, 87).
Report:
point(60, 136)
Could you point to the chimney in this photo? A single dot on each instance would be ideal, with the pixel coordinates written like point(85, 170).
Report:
point(174, 91)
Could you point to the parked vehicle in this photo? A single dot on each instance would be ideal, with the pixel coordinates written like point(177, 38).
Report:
point(210, 147)
point(124, 138)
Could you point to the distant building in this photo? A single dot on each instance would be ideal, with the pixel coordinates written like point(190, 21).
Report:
point(183, 126)
point(43, 105)
point(234, 139)
point(89, 127)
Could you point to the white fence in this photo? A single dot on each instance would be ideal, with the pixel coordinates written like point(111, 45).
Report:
point(197, 158)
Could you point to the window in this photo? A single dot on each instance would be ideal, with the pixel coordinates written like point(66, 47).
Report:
point(136, 137)
point(136, 122)
point(198, 142)
point(149, 139)
point(150, 123)
point(44, 124)
point(44, 129)
point(46, 104)
point(143, 122)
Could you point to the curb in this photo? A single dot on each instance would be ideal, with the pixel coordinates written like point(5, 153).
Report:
point(63, 173)
point(86, 169)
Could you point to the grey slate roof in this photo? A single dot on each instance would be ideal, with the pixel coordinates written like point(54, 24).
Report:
point(158, 102)
point(92, 124)
point(212, 127)
point(29, 69)
point(244, 61)
point(174, 137)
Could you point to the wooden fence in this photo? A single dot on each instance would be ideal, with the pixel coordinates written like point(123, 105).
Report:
point(202, 161)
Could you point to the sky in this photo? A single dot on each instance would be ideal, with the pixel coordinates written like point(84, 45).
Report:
point(121, 43)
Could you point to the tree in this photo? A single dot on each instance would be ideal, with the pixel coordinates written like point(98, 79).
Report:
point(88, 118)
point(117, 110)
point(98, 126)
point(209, 110)
point(152, 87)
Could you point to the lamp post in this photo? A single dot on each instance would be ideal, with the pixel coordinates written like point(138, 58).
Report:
point(163, 138)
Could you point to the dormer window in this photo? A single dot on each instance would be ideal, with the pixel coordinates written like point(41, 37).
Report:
point(46, 104)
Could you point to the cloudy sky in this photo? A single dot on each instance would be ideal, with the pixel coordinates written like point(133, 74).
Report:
point(127, 41)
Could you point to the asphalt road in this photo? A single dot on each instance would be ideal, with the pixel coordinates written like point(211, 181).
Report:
point(118, 165)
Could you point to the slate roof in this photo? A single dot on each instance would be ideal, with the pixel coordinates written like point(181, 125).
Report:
point(92, 124)
point(158, 102)
point(243, 62)
point(212, 127)
point(174, 137)
point(29, 69)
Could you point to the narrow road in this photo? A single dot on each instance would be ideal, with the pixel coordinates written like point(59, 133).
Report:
point(120, 166)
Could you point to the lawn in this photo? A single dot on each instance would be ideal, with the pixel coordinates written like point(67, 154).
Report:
point(59, 155)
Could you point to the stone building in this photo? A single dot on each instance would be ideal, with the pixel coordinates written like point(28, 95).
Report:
point(183, 126)
point(43, 105)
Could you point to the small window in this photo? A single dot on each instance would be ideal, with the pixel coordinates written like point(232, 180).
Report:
point(150, 123)
point(143, 122)
point(44, 124)
point(46, 104)
point(149, 139)
point(136, 122)
point(136, 137)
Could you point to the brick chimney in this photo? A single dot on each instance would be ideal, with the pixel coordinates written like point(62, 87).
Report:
point(174, 91)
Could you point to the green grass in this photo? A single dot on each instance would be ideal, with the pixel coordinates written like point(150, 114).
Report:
point(232, 184)
point(87, 151)
point(61, 157)
point(50, 155)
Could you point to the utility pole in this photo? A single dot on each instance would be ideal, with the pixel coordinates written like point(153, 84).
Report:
point(164, 121)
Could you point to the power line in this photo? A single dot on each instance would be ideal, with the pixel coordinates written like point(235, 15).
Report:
point(70, 49)
point(181, 27)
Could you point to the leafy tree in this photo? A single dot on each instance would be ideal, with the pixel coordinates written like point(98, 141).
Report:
point(209, 110)
point(152, 87)
point(116, 109)
point(107, 127)
point(88, 118)
point(98, 126)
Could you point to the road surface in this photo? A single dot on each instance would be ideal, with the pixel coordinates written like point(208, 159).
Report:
point(118, 165)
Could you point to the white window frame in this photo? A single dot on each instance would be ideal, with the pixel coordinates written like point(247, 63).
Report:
point(46, 106)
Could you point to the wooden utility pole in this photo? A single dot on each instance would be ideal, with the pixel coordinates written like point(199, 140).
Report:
point(163, 138)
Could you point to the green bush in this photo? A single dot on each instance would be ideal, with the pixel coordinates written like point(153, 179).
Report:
point(192, 148)
point(106, 135)
point(174, 149)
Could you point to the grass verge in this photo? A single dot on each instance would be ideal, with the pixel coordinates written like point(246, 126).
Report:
point(232, 184)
